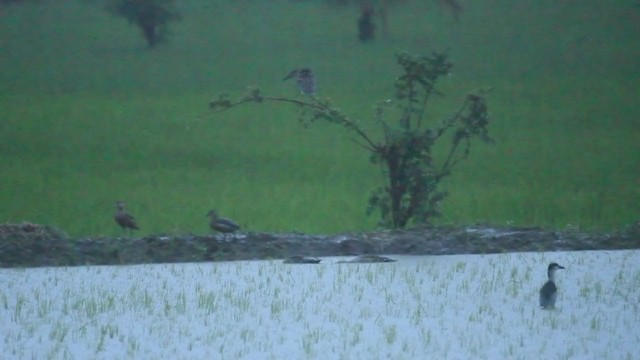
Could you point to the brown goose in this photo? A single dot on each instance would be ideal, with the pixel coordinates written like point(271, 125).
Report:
point(225, 226)
point(123, 219)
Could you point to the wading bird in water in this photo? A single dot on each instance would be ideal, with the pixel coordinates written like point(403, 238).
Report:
point(549, 292)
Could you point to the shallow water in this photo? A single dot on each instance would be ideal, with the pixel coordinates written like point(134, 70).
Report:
point(455, 307)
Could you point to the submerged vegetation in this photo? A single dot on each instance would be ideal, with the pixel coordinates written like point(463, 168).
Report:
point(406, 153)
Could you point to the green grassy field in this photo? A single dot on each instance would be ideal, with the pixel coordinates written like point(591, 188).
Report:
point(89, 116)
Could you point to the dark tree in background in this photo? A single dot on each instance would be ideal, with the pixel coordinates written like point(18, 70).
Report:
point(151, 16)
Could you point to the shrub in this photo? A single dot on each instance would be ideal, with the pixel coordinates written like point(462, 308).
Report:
point(406, 150)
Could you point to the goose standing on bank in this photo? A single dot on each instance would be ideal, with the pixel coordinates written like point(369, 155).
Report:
point(123, 219)
point(225, 226)
point(549, 292)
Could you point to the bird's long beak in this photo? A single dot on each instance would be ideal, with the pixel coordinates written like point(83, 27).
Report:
point(293, 73)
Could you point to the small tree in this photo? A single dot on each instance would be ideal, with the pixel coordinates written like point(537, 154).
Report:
point(406, 150)
point(151, 16)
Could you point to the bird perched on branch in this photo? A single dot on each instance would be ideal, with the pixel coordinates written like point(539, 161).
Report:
point(225, 226)
point(123, 219)
point(549, 291)
point(304, 79)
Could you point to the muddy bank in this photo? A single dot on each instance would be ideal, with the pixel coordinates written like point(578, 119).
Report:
point(27, 245)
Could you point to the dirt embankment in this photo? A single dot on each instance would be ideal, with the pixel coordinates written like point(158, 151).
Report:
point(30, 245)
